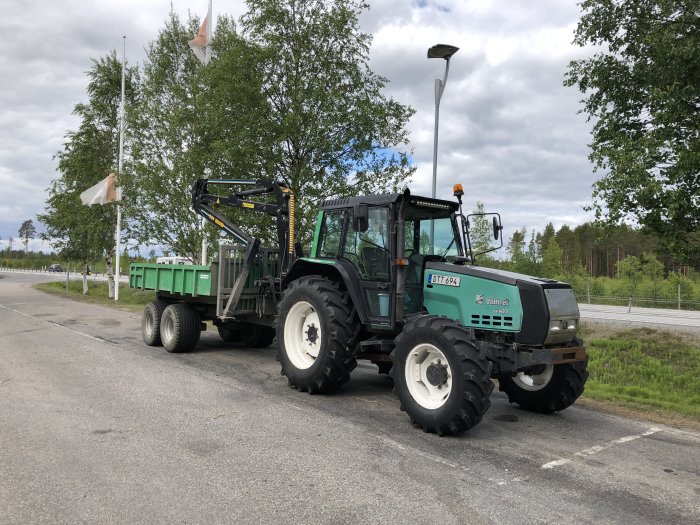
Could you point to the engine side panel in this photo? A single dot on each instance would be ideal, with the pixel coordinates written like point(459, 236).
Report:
point(476, 302)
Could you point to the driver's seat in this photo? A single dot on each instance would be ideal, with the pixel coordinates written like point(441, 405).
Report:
point(376, 262)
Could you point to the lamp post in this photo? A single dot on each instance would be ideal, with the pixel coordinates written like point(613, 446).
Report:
point(444, 51)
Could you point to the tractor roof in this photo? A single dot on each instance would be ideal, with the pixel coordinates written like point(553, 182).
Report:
point(390, 198)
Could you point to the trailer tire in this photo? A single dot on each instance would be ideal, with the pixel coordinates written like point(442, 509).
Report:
point(180, 328)
point(257, 336)
point(317, 359)
point(150, 322)
point(551, 389)
point(441, 378)
point(384, 367)
point(229, 334)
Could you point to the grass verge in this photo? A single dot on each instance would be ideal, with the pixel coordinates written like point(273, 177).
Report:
point(649, 371)
point(130, 299)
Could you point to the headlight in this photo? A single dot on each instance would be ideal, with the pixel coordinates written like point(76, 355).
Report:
point(556, 326)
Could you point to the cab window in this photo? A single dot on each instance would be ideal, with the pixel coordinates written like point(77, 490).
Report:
point(330, 235)
point(432, 237)
point(369, 250)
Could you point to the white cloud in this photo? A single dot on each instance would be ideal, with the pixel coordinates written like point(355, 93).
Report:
point(509, 131)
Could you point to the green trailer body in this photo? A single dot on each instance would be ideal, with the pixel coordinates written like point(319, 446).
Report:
point(208, 288)
point(180, 279)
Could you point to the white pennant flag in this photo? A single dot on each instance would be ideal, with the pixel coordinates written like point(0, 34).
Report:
point(199, 43)
point(103, 192)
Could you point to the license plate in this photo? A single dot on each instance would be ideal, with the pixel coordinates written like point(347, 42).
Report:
point(447, 280)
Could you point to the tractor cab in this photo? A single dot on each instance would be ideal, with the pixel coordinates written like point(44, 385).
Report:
point(383, 269)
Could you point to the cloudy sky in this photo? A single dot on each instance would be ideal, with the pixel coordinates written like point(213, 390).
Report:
point(509, 130)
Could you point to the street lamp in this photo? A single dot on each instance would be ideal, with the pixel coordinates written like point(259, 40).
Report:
point(444, 51)
point(438, 51)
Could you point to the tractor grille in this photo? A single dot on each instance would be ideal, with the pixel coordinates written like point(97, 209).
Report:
point(492, 320)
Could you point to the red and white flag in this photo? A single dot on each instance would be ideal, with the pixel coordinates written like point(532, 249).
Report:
point(103, 192)
point(199, 43)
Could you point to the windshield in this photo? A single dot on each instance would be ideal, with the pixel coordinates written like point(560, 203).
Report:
point(429, 231)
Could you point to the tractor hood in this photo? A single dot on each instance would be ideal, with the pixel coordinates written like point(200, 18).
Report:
point(539, 311)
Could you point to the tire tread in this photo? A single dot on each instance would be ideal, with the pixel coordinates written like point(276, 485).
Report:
point(342, 337)
point(476, 374)
point(187, 328)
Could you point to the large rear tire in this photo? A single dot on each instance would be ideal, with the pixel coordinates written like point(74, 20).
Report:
point(442, 380)
point(548, 388)
point(180, 328)
point(150, 322)
point(317, 335)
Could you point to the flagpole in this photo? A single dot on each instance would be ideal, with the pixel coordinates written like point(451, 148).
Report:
point(210, 25)
point(119, 171)
point(207, 59)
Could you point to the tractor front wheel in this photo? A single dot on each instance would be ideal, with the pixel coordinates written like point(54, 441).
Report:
point(317, 335)
point(442, 380)
point(547, 388)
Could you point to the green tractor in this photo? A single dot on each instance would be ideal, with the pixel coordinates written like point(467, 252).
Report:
point(392, 279)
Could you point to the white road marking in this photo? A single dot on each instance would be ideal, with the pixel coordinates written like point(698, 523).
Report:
point(58, 325)
point(417, 452)
point(598, 448)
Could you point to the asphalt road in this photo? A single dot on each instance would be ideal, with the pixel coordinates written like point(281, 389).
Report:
point(97, 427)
point(665, 319)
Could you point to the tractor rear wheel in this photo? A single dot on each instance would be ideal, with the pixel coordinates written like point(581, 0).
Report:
point(150, 322)
point(546, 389)
point(317, 335)
point(180, 328)
point(442, 380)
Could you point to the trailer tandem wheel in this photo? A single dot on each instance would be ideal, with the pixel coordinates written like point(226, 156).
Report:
point(257, 336)
point(150, 322)
point(180, 328)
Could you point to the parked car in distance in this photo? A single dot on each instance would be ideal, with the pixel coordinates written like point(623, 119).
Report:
point(55, 268)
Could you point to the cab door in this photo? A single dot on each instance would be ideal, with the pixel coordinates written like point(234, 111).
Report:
point(369, 252)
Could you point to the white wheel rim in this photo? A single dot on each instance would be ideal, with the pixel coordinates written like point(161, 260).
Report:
point(424, 391)
point(302, 335)
point(167, 328)
point(150, 323)
point(534, 382)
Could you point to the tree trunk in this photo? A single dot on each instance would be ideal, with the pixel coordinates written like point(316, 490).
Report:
point(110, 275)
point(86, 271)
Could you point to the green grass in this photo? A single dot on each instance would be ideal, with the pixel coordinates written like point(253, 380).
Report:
point(129, 298)
point(646, 369)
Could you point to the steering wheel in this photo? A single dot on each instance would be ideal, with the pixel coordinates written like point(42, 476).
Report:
point(365, 239)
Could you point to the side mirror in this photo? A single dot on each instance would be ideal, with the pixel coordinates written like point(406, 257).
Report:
point(497, 227)
point(360, 222)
